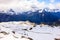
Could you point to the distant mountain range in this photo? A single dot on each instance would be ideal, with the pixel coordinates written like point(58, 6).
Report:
point(47, 16)
point(11, 11)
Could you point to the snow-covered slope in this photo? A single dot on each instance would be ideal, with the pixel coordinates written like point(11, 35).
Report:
point(7, 33)
point(36, 32)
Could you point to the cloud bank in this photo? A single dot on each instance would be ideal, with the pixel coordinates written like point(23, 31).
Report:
point(26, 5)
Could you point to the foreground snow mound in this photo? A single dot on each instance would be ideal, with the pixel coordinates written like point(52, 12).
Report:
point(28, 31)
point(7, 34)
point(12, 37)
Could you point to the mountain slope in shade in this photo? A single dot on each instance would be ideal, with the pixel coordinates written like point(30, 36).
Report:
point(46, 16)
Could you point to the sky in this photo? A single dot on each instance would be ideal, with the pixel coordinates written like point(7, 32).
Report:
point(25, 5)
point(50, 1)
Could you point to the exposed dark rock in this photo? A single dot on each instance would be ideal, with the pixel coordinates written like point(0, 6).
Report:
point(27, 37)
point(13, 32)
point(30, 29)
point(57, 38)
point(30, 38)
point(5, 33)
point(25, 29)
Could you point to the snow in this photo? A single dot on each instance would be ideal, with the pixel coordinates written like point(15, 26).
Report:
point(21, 28)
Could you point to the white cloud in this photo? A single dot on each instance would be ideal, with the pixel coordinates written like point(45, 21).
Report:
point(26, 5)
point(52, 6)
point(23, 5)
point(58, 5)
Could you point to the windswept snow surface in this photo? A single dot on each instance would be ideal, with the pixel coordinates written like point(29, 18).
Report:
point(23, 28)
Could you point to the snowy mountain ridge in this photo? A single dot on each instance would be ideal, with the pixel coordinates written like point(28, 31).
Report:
point(42, 16)
point(12, 11)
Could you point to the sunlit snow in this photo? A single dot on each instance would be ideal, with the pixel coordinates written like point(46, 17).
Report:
point(22, 28)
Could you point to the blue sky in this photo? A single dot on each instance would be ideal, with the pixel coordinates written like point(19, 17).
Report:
point(57, 1)
point(49, 1)
point(44, 1)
